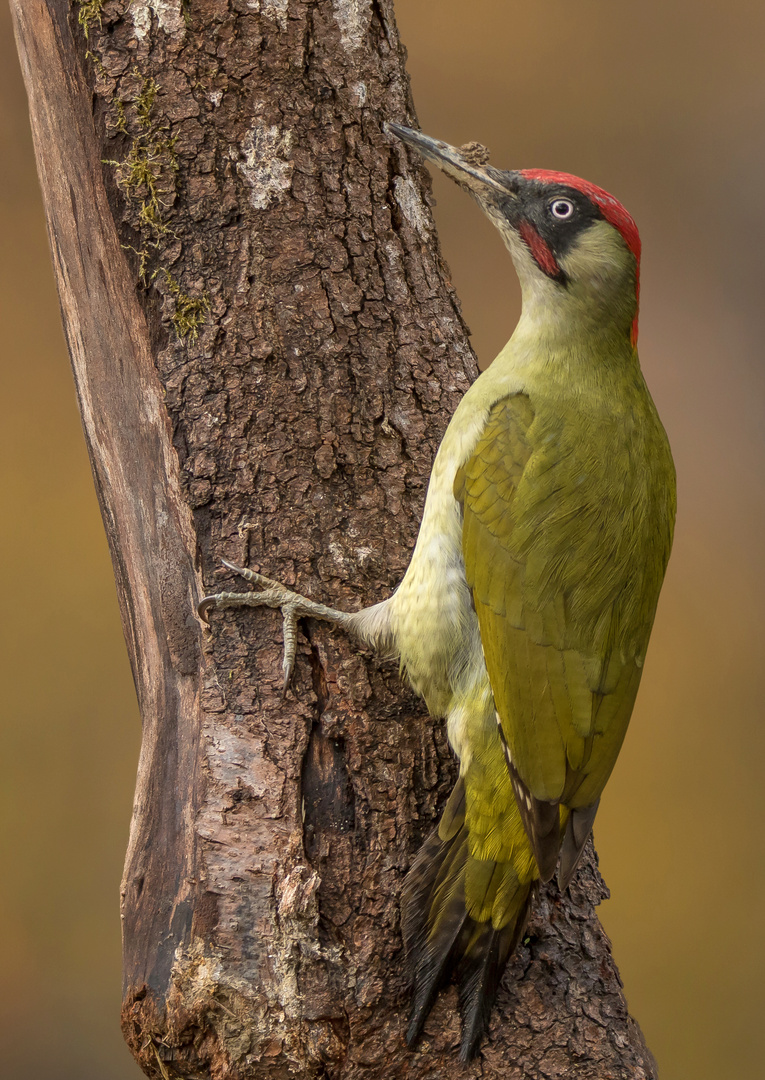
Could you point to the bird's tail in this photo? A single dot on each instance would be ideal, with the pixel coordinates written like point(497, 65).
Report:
point(462, 914)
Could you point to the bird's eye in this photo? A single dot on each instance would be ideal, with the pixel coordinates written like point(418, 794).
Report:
point(561, 209)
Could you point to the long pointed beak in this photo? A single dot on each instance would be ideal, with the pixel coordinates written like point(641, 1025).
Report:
point(479, 179)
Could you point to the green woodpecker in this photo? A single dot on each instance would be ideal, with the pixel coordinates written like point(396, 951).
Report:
point(524, 615)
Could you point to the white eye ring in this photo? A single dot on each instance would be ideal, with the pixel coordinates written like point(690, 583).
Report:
point(561, 209)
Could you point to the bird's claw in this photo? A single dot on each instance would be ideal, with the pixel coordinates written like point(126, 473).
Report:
point(205, 606)
point(289, 637)
point(273, 595)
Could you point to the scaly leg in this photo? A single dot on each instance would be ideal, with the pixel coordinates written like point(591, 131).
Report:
point(274, 595)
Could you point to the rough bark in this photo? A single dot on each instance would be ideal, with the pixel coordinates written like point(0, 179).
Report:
point(267, 349)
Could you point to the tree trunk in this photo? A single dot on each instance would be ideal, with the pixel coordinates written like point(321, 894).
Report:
point(267, 350)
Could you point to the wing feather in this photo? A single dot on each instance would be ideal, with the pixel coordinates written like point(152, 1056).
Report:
point(543, 552)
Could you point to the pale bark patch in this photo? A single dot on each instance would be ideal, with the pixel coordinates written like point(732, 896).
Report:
point(353, 18)
point(272, 9)
point(268, 174)
point(412, 206)
point(168, 12)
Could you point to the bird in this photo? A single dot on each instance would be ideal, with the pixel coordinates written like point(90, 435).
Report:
point(524, 616)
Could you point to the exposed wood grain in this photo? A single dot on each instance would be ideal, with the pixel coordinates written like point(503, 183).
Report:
point(266, 350)
point(136, 471)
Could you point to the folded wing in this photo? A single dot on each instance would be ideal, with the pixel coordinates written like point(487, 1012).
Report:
point(548, 563)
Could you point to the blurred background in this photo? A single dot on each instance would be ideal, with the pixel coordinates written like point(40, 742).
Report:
point(664, 105)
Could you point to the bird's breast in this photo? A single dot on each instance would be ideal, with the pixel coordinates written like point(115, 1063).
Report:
point(433, 618)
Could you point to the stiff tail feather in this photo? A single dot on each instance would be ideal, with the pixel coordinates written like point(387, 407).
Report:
point(578, 829)
point(461, 917)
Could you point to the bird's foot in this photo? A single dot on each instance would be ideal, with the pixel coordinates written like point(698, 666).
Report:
point(272, 594)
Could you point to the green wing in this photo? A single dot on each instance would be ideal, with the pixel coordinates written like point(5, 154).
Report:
point(563, 613)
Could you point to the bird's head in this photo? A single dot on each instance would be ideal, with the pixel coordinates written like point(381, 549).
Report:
point(575, 247)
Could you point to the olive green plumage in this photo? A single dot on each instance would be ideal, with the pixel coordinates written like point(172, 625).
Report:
point(565, 544)
point(525, 612)
point(567, 511)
